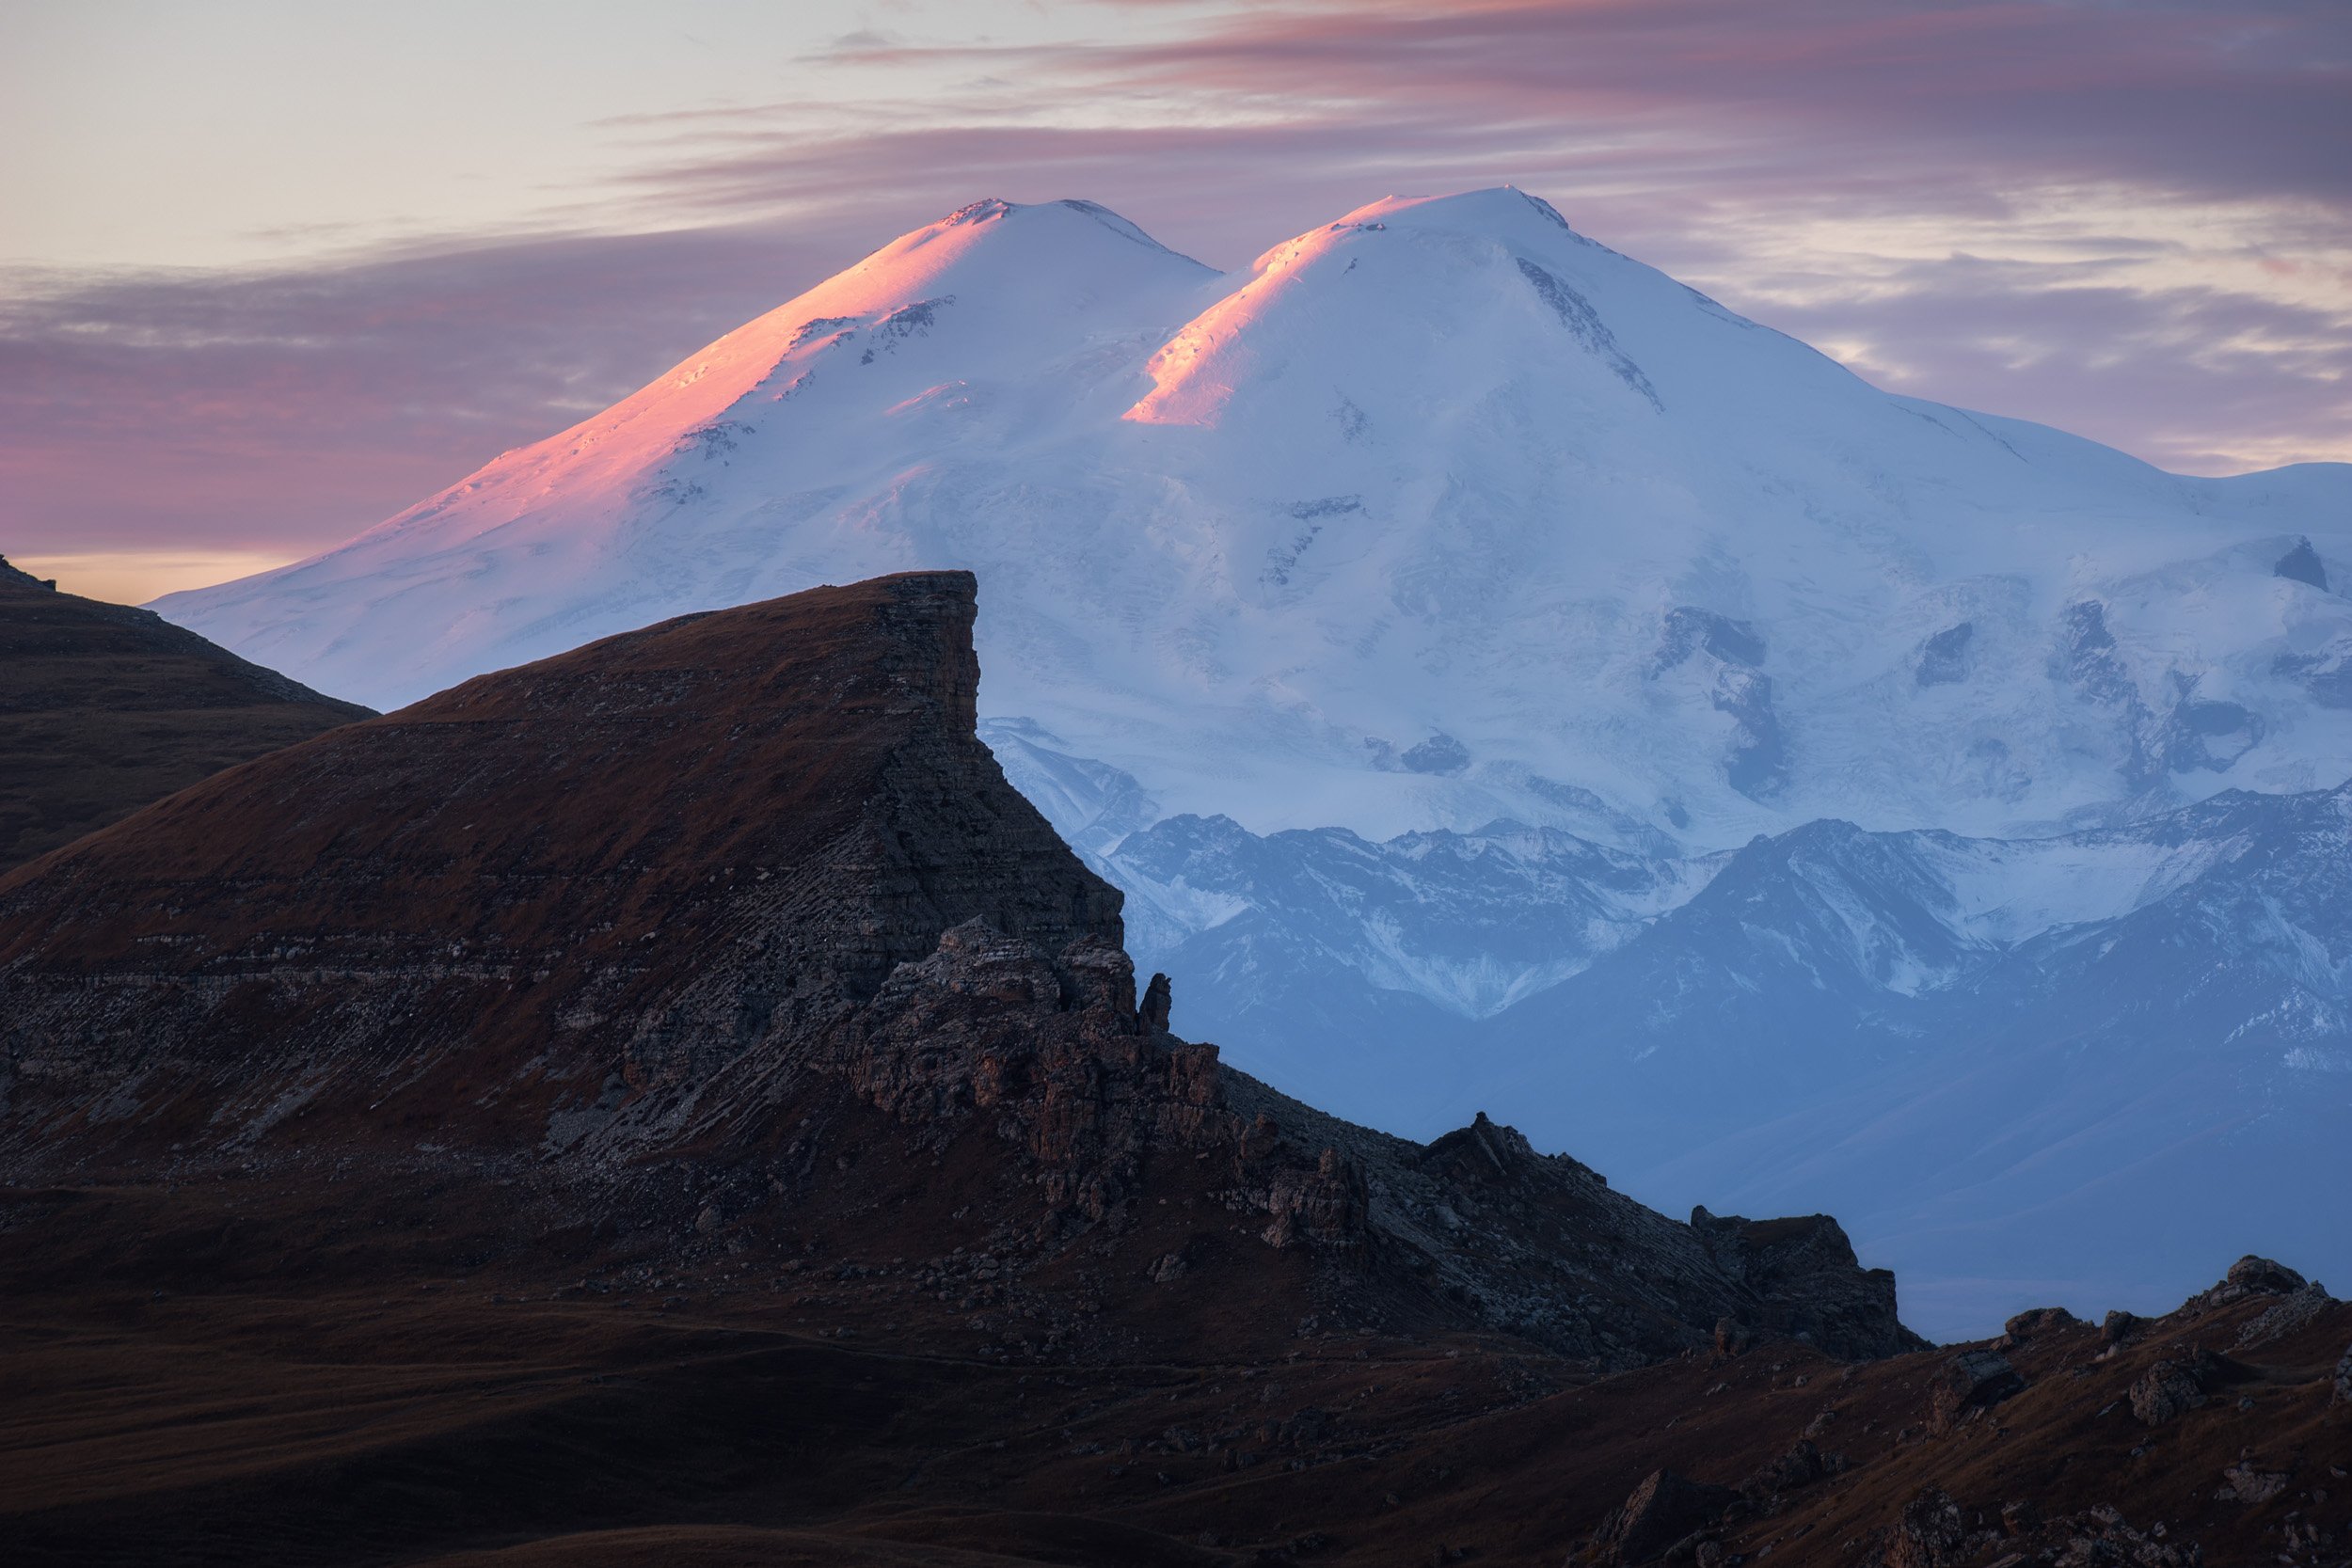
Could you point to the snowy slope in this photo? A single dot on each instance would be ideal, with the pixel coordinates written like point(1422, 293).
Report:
point(1438, 514)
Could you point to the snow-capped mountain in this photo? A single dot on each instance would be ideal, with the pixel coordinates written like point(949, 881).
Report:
point(1484, 658)
point(1440, 513)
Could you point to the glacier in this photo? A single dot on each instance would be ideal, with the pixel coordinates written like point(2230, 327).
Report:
point(1504, 677)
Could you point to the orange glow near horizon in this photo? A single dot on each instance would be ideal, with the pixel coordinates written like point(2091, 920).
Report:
point(137, 577)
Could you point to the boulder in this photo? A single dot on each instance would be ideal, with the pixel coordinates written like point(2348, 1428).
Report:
point(2249, 1485)
point(1666, 1509)
point(2263, 1274)
point(2169, 1388)
point(1970, 1382)
point(1800, 1467)
point(2034, 1321)
point(2254, 1276)
point(1931, 1532)
point(2284, 1316)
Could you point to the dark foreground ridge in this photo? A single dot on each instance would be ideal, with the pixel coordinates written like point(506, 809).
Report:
point(104, 708)
point(700, 894)
point(675, 1102)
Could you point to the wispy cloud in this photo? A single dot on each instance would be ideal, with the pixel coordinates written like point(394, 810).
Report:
point(2129, 218)
point(147, 410)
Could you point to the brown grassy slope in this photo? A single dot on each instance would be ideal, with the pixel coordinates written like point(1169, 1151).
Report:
point(436, 1414)
point(104, 708)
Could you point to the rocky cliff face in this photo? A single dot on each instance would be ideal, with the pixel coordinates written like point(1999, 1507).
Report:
point(728, 938)
point(1104, 1111)
point(647, 857)
point(104, 708)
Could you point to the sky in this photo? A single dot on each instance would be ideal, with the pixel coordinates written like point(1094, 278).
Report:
point(270, 271)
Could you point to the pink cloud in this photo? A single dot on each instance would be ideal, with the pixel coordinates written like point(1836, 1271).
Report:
point(291, 410)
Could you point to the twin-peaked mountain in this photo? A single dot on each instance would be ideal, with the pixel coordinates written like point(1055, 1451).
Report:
point(1437, 513)
point(1443, 526)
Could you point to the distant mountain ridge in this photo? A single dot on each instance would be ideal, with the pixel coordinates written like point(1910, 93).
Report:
point(1754, 1021)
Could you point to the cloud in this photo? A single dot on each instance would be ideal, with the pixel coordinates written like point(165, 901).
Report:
point(2241, 98)
point(2133, 219)
point(2130, 219)
point(2196, 379)
point(288, 410)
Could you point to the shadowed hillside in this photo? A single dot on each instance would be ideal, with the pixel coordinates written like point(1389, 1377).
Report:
point(104, 708)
